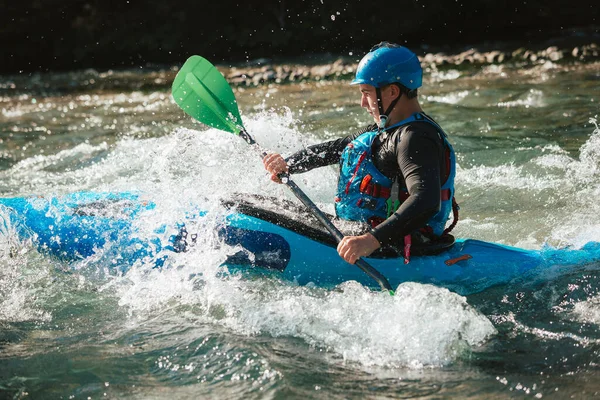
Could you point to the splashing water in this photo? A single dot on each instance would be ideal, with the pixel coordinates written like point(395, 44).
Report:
point(527, 176)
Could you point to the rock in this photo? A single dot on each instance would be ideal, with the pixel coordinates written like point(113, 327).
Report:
point(519, 53)
point(479, 58)
point(339, 63)
point(466, 53)
point(429, 58)
point(269, 75)
point(320, 71)
point(533, 57)
point(592, 50)
point(492, 57)
point(257, 79)
point(556, 55)
point(437, 58)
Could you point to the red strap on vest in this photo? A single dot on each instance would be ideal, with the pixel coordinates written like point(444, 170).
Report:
point(360, 160)
point(374, 189)
point(407, 244)
point(455, 209)
point(445, 194)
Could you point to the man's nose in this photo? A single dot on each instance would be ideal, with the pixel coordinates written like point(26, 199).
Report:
point(363, 101)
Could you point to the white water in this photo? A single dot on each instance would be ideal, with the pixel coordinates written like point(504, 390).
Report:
point(421, 326)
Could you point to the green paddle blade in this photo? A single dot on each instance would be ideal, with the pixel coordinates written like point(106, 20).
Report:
point(203, 93)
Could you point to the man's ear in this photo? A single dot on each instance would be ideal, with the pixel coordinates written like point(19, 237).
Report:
point(394, 91)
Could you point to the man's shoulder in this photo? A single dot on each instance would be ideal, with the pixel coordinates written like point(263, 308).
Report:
point(416, 130)
point(418, 134)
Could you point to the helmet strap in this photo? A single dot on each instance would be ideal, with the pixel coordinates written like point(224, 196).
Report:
point(383, 115)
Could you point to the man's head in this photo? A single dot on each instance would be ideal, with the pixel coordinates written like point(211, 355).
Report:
point(385, 74)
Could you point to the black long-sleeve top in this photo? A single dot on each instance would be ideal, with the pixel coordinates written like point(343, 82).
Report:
point(413, 154)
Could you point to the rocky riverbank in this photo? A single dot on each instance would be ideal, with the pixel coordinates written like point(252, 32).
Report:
point(310, 68)
point(266, 71)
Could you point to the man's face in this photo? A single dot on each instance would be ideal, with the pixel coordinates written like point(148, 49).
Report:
point(368, 100)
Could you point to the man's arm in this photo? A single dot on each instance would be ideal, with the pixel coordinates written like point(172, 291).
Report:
point(322, 154)
point(418, 160)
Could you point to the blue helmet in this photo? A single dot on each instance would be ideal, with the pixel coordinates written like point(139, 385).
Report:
point(386, 65)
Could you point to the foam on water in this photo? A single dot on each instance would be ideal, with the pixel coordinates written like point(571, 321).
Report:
point(509, 176)
point(194, 329)
point(19, 283)
point(555, 190)
point(352, 323)
point(421, 326)
point(497, 70)
point(450, 98)
point(184, 166)
point(434, 75)
point(558, 168)
point(532, 98)
point(580, 221)
point(587, 311)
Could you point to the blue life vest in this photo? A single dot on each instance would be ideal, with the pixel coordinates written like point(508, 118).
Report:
point(365, 194)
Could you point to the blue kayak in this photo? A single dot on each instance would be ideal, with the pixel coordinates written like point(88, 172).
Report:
point(265, 235)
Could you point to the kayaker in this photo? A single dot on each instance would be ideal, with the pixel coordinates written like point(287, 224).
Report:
point(396, 175)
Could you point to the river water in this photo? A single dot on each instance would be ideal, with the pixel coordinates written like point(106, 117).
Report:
point(528, 152)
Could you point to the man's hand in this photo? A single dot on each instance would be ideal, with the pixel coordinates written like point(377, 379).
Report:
point(275, 165)
point(351, 248)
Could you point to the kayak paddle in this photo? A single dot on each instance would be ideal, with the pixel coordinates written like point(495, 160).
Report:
point(203, 93)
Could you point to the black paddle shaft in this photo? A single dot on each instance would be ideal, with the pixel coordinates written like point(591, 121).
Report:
point(304, 199)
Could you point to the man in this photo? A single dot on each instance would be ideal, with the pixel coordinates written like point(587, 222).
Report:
point(396, 175)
